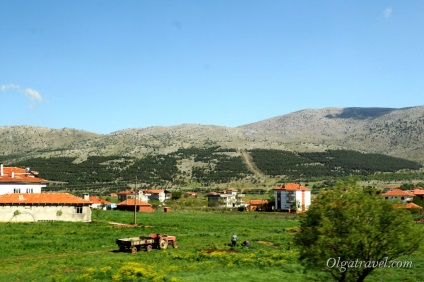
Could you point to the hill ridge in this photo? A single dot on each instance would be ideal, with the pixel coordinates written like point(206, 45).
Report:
point(391, 131)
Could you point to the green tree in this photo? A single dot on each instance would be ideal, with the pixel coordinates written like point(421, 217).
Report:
point(345, 229)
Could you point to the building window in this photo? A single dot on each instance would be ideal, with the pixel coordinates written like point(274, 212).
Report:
point(30, 190)
point(403, 198)
point(16, 190)
point(78, 209)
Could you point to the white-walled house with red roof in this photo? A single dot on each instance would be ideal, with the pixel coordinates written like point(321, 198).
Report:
point(97, 203)
point(33, 207)
point(292, 196)
point(229, 198)
point(398, 194)
point(19, 180)
point(155, 194)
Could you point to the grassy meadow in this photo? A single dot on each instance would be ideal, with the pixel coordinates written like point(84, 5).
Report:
point(63, 251)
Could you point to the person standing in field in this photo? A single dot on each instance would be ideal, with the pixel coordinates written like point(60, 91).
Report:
point(234, 240)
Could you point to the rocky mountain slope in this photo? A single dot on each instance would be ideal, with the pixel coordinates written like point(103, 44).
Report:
point(395, 132)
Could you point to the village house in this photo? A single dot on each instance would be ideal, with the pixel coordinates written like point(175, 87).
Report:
point(228, 198)
point(33, 207)
point(19, 180)
point(255, 205)
point(155, 195)
point(130, 205)
point(129, 194)
point(418, 192)
point(98, 203)
point(292, 197)
point(397, 194)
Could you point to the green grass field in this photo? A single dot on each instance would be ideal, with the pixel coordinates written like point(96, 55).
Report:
point(63, 251)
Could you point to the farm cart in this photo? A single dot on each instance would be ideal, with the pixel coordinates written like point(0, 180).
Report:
point(156, 241)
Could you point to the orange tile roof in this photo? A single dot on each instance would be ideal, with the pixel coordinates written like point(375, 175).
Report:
point(42, 198)
point(408, 206)
point(154, 191)
point(96, 200)
point(19, 175)
point(417, 191)
point(130, 202)
point(126, 192)
point(413, 206)
point(292, 187)
point(398, 192)
point(256, 202)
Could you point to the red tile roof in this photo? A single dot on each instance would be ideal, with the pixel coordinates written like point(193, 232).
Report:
point(126, 192)
point(398, 192)
point(408, 206)
point(130, 202)
point(96, 200)
point(153, 191)
point(256, 202)
point(292, 187)
point(413, 206)
point(19, 175)
point(42, 198)
point(418, 192)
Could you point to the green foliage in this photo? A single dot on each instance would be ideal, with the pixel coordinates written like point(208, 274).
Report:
point(72, 251)
point(349, 224)
point(176, 194)
point(215, 165)
point(331, 163)
point(407, 186)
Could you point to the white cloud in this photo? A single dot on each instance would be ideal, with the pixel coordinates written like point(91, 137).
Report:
point(32, 94)
point(388, 12)
point(9, 86)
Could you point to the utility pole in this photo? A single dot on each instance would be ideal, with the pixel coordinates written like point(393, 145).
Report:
point(135, 201)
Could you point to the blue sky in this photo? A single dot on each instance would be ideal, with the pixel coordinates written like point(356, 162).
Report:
point(104, 66)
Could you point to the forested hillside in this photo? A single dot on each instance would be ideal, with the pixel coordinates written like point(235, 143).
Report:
point(212, 166)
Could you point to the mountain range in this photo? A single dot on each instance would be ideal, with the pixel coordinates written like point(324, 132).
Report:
point(397, 132)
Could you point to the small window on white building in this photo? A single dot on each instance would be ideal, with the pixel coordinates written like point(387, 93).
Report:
point(30, 190)
point(78, 209)
point(16, 190)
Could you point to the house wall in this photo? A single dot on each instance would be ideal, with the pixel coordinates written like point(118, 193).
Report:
point(9, 188)
point(287, 198)
point(285, 202)
point(139, 208)
point(157, 196)
point(398, 198)
point(221, 200)
point(34, 213)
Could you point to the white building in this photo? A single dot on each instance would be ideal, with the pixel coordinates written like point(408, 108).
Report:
point(129, 194)
point(291, 197)
point(400, 195)
point(24, 207)
point(228, 198)
point(19, 180)
point(158, 195)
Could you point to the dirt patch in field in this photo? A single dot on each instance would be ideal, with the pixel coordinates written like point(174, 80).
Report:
point(267, 243)
point(120, 225)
